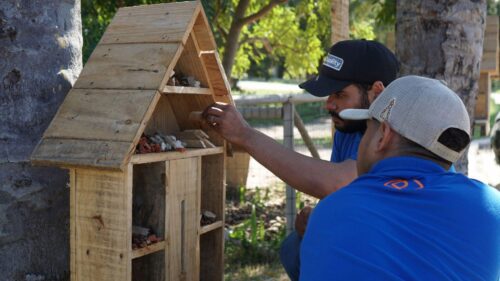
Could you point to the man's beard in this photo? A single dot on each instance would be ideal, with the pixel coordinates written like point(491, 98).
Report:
point(350, 126)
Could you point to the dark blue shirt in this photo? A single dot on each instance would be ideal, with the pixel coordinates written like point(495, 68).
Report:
point(345, 146)
point(407, 219)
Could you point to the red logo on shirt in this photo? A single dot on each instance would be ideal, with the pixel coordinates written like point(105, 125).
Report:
point(402, 184)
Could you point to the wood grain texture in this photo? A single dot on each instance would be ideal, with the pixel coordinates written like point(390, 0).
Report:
point(77, 152)
point(112, 115)
point(163, 119)
point(213, 194)
point(129, 66)
point(169, 22)
point(483, 97)
point(174, 155)
point(489, 61)
point(189, 63)
point(186, 90)
point(218, 81)
point(203, 33)
point(183, 218)
point(101, 227)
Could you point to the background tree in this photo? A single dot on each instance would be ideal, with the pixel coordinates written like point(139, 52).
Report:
point(443, 40)
point(256, 35)
point(40, 51)
point(291, 34)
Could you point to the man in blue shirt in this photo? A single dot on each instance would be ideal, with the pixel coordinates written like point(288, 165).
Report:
point(352, 75)
point(406, 217)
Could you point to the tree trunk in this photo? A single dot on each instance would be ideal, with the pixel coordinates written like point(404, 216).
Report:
point(443, 40)
point(40, 54)
point(232, 44)
point(238, 22)
point(339, 20)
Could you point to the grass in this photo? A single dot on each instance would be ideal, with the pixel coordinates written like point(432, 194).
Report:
point(267, 272)
point(256, 228)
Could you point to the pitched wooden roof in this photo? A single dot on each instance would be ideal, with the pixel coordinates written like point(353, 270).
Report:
point(104, 115)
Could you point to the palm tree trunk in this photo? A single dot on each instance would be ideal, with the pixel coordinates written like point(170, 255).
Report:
point(40, 54)
point(443, 40)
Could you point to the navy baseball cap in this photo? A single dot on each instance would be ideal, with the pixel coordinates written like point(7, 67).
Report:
point(353, 61)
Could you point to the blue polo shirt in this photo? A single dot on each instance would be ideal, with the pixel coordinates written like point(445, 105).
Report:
point(345, 146)
point(407, 219)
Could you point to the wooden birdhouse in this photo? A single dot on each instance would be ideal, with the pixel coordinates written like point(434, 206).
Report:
point(142, 173)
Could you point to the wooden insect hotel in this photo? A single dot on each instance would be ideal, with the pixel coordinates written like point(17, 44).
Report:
point(147, 186)
point(489, 69)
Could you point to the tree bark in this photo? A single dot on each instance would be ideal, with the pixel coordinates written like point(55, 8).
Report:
point(40, 54)
point(339, 11)
point(238, 22)
point(443, 40)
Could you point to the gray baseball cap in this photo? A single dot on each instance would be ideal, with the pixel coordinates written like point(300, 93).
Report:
point(419, 109)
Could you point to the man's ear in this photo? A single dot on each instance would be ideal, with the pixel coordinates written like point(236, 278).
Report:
point(385, 136)
point(375, 90)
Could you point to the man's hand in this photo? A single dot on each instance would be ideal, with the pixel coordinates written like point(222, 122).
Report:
point(301, 220)
point(227, 121)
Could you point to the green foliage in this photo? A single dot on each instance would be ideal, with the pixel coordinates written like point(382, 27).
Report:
point(292, 35)
point(249, 241)
point(97, 14)
point(372, 19)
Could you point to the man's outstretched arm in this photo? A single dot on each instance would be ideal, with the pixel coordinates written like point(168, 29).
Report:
point(312, 176)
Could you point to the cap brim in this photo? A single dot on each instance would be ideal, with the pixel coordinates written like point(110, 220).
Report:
point(355, 114)
point(322, 86)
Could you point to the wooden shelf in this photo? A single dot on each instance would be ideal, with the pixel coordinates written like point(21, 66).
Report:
point(186, 90)
point(153, 248)
point(207, 228)
point(173, 155)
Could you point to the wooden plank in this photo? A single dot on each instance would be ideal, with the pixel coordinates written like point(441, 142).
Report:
point(213, 196)
point(174, 155)
point(207, 228)
point(129, 182)
point(183, 215)
point(142, 127)
point(113, 115)
point(83, 153)
point(169, 22)
point(149, 211)
point(212, 256)
point(129, 66)
point(483, 97)
point(186, 90)
point(101, 226)
point(72, 224)
point(218, 81)
point(213, 186)
point(490, 58)
point(162, 119)
point(153, 248)
point(189, 63)
point(203, 33)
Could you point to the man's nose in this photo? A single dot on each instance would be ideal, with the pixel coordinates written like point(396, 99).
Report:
point(331, 104)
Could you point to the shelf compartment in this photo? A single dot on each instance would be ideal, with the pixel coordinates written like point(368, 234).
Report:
point(153, 248)
point(173, 155)
point(209, 227)
point(186, 90)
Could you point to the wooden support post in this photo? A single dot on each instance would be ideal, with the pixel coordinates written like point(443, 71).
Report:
point(305, 135)
point(290, 212)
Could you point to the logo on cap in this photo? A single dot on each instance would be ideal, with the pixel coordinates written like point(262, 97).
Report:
point(384, 115)
point(334, 62)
